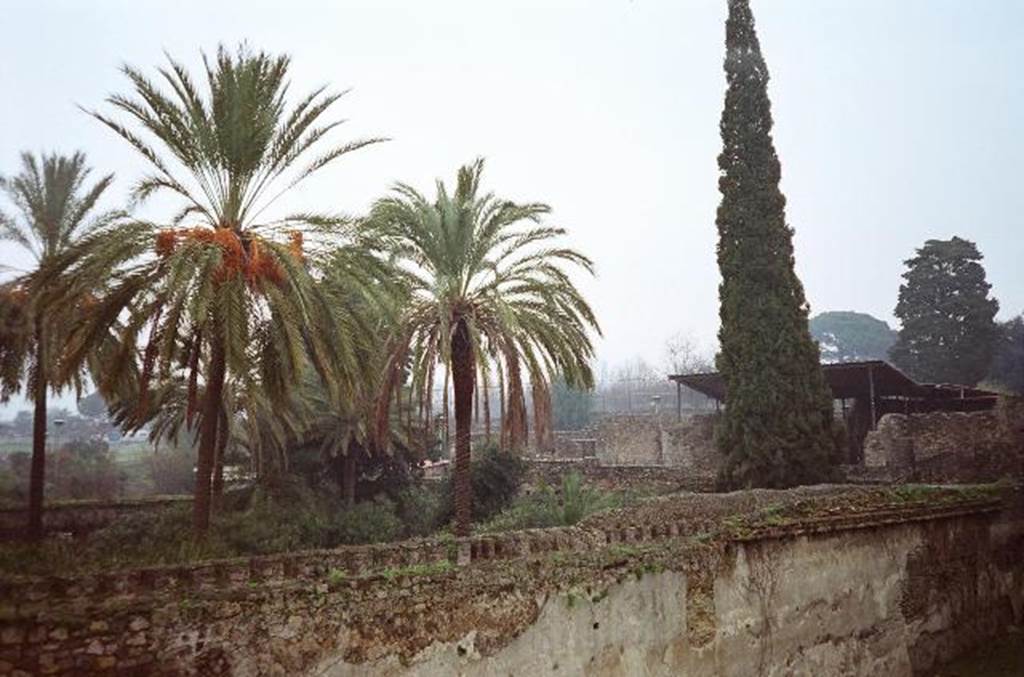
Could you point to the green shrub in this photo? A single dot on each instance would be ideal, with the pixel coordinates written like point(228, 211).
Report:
point(160, 537)
point(535, 511)
point(82, 469)
point(579, 500)
point(11, 490)
point(285, 517)
point(495, 477)
point(419, 507)
point(367, 522)
point(549, 508)
point(172, 470)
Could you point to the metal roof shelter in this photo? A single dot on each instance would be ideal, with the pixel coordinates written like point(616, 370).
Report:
point(875, 387)
point(849, 380)
point(876, 382)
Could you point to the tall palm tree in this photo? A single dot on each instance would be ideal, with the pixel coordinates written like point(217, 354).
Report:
point(55, 209)
point(232, 296)
point(487, 287)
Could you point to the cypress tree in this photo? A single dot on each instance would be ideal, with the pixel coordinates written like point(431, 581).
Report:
point(777, 427)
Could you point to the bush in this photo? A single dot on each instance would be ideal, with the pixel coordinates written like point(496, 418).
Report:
point(14, 477)
point(161, 537)
point(367, 522)
point(81, 469)
point(579, 500)
point(495, 477)
point(285, 517)
point(419, 508)
point(549, 508)
point(173, 471)
point(290, 516)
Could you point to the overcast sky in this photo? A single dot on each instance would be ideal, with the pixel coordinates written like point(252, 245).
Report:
point(895, 121)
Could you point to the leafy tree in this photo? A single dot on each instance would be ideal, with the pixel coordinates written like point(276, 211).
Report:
point(845, 336)
point(233, 297)
point(1008, 361)
point(483, 290)
point(948, 320)
point(776, 430)
point(172, 470)
point(92, 406)
point(22, 422)
point(84, 469)
point(56, 209)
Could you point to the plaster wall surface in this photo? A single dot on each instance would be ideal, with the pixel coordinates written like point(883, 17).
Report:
point(858, 603)
point(819, 581)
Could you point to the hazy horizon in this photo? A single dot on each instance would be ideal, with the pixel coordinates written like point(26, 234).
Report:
point(894, 123)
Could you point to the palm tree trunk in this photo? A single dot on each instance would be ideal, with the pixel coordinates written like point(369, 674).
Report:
point(518, 429)
point(446, 413)
point(348, 475)
point(218, 462)
point(37, 473)
point(430, 404)
point(487, 411)
point(503, 412)
point(208, 436)
point(463, 371)
point(543, 438)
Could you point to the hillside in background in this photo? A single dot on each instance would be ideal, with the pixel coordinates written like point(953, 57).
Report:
point(846, 336)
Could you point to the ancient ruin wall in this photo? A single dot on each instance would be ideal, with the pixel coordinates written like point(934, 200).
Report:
point(823, 581)
point(662, 479)
point(644, 439)
point(81, 517)
point(950, 446)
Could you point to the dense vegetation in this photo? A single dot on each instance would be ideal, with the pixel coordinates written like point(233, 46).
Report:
point(290, 515)
point(777, 426)
point(301, 344)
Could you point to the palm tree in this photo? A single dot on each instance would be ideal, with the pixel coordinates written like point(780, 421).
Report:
point(487, 286)
point(55, 209)
point(232, 296)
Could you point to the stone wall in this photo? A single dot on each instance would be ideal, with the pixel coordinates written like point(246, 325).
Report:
point(812, 581)
point(660, 479)
point(644, 439)
point(573, 444)
point(950, 446)
point(81, 517)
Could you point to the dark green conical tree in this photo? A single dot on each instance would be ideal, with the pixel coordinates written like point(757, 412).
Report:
point(949, 332)
point(777, 427)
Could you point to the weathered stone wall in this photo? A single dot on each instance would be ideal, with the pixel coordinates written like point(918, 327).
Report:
point(823, 581)
point(661, 479)
point(644, 439)
point(81, 517)
point(573, 444)
point(690, 443)
point(950, 446)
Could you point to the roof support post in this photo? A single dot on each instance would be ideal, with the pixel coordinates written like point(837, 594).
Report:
point(871, 388)
point(679, 401)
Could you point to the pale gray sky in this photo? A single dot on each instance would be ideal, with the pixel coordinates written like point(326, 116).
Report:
point(895, 121)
